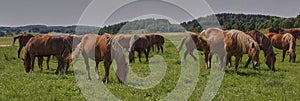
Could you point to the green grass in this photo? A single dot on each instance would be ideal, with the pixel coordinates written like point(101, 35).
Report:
point(248, 84)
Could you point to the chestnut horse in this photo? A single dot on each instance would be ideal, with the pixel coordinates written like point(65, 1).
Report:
point(214, 37)
point(237, 44)
point(285, 42)
point(192, 42)
point(46, 45)
point(265, 45)
point(294, 32)
point(23, 39)
point(102, 48)
point(139, 44)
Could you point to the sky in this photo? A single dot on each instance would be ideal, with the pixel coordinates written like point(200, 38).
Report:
point(101, 12)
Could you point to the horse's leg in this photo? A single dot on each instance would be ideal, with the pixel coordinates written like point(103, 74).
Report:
point(283, 54)
point(146, 54)
point(87, 66)
point(59, 64)
point(47, 61)
point(206, 59)
point(40, 62)
point(229, 61)
point(248, 62)
point(19, 51)
point(32, 62)
point(191, 53)
point(237, 60)
point(96, 70)
point(106, 67)
point(139, 54)
point(162, 48)
point(185, 54)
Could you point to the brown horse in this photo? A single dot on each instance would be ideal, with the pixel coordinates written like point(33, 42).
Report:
point(157, 40)
point(102, 48)
point(284, 42)
point(46, 45)
point(23, 39)
point(215, 39)
point(265, 45)
point(139, 44)
point(193, 42)
point(294, 32)
point(237, 44)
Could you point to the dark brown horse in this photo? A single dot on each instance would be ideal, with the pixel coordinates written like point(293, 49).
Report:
point(47, 45)
point(265, 45)
point(294, 32)
point(193, 42)
point(237, 44)
point(285, 42)
point(23, 39)
point(157, 40)
point(102, 48)
point(139, 44)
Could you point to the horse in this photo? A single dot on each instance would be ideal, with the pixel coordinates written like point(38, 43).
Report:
point(294, 32)
point(237, 43)
point(285, 42)
point(139, 44)
point(266, 46)
point(215, 39)
point(23, 39)
point(193, 42)
point(124, 40)
point(158, 40)
point(102, 48)
point(47, 45)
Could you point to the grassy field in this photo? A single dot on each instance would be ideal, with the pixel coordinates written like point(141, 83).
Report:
point(247, 84)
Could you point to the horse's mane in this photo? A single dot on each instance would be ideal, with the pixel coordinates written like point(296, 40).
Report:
point(242, 40)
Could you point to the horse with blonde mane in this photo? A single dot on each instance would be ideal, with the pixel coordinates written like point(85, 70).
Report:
point(265, 45)
point(193, 42)
point(237, 44)
point(102, 48)
point(284, 42)
point(214, 37)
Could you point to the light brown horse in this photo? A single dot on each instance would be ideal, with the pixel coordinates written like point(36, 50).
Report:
point(265, 45)
point(193, 42)
point(237, 43)
point(139, 44)
point(102, 48)
point(215, 39)
point(285, 42)
point(46, 45)
point(23, 39)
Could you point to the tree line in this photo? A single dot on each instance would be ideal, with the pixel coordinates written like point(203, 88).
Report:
point(244, 22)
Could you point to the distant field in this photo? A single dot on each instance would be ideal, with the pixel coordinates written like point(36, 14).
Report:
point(248, 84)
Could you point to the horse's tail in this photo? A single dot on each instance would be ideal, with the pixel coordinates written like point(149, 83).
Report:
point(181, 44)
point(291, 40)
point(16, 37)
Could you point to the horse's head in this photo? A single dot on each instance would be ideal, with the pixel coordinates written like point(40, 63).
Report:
point(122, 65)
point(26, 63)
point(254, 54)
point(270, 61)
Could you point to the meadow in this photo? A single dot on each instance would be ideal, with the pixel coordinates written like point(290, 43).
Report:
point(247, 84)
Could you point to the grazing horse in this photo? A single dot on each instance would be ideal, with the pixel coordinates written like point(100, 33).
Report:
point(237, 44)
point(193, 42)
point(139, 44)
point(102, 48)
point(157, 40)
point(285, 42)
point(214, 37)
point(23, 39)
point(46, 45)
point(123, 40)
point(294, 32)
point(265, 45)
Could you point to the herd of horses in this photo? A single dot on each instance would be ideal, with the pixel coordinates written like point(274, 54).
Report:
point(212, 41)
